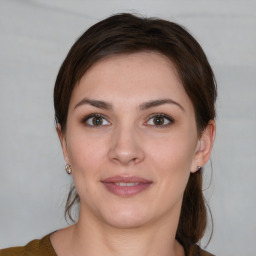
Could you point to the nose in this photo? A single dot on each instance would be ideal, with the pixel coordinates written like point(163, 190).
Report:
point(126, 146)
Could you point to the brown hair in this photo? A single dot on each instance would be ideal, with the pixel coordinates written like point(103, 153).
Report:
point(124, 34)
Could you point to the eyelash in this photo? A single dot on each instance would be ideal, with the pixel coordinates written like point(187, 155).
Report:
point(161, 115)
point(157, 115)
point(91, 116)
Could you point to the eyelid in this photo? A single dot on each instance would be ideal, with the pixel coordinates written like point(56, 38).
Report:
point(153, 115)
point(163, 115)
point(87, 117)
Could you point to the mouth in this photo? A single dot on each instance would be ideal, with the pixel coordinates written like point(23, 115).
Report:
point(126, 186)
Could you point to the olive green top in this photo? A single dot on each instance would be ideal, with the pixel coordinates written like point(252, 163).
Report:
point(43, 247)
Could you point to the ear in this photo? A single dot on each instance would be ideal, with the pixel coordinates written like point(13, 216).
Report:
point(63, 142)
point(204, 146)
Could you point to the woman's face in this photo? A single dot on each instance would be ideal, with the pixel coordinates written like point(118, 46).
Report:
point(131, 140)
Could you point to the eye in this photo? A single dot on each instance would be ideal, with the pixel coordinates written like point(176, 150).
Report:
point(159, 120)
point(95, 120)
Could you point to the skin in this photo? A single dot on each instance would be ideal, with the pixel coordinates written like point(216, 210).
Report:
point(128, 142)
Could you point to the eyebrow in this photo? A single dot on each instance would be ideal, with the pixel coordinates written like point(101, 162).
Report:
point(95, 103)
point(143, 106)
point(155, 103)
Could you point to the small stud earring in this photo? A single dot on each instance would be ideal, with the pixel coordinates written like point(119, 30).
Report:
point(68, 169)
point(198, 168)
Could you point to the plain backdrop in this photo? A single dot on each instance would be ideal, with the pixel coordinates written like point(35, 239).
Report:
point(35, 36)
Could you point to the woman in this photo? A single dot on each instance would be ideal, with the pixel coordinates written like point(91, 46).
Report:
point(134, 108)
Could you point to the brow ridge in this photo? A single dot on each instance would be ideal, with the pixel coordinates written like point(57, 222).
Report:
point(155, 103)
point(95, 103)
point(143, 106)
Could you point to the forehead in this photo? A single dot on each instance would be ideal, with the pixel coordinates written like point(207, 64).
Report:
point(139, 75)
point(145, 60)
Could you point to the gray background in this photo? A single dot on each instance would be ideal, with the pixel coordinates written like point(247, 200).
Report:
point(35, 36)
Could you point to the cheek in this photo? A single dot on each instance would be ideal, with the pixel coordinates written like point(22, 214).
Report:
point(172, 164)
point(172, 160)
point(86, 158)
point(174, 152)
point(85, 152)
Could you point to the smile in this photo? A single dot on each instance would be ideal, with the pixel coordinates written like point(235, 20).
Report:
point(126, 186)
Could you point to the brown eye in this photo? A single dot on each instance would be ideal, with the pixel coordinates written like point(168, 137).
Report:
point(95, 120)
point(160, 120)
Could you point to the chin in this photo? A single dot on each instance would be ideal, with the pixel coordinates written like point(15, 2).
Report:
point(123, 222)
point(126, 218)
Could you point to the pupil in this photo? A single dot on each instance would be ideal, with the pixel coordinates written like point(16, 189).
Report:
point(158, 121)
point(97, 121)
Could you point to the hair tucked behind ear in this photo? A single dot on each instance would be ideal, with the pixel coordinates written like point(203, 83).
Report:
point(125, 34)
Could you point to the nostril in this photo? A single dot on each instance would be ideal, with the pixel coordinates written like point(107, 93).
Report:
point(126, 156)
point(125, 146)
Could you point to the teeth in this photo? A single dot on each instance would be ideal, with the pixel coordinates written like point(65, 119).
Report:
point(123, 184)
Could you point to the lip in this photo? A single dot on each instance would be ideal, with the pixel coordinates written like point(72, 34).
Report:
point(126, 186)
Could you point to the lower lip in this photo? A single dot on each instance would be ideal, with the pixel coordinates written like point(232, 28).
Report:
point(126, 191)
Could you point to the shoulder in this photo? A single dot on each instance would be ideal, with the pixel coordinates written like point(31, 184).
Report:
point(195, 250)
point(35, 248)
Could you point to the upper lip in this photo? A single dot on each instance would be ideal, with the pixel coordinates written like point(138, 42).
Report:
point(126, 179)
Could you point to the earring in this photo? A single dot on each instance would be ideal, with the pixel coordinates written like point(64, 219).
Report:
point(198, 168)
point(68, 168)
